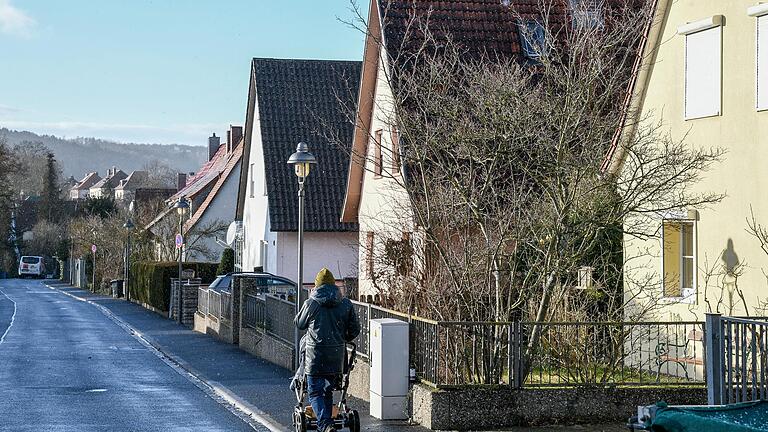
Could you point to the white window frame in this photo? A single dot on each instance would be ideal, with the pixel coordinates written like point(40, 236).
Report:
point(688, 295)
point(760, 13)
point(251, 171)
point(693, 30)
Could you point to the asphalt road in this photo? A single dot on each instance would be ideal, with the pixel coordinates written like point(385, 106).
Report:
point(65, 366)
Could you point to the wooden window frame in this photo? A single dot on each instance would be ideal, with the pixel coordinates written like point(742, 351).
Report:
point(377, 165)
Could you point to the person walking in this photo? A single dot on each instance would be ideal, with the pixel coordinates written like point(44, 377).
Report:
point(331, 322)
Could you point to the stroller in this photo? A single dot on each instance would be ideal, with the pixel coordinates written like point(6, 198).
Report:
point(343, 416)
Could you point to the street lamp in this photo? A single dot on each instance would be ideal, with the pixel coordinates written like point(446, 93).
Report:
point(302, 160)
point(128, 225)
point(182, 207)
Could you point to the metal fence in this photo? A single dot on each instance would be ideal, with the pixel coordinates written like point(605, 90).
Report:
point(738, 366)
point(563, 354)
point(202, 300)
point(214, 304)
point(253, 311)
point(226, 305)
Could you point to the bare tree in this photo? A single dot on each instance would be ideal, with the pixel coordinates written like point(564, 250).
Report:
point(502, 172)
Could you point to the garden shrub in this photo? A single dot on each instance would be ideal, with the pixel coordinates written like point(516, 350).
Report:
point(227, 264)
point(150, 281)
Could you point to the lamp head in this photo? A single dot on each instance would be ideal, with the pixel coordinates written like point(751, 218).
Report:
point(181, 206)
point(129, 225)
point(301, 160)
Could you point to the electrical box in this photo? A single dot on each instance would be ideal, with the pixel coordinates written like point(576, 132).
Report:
point(389, 368)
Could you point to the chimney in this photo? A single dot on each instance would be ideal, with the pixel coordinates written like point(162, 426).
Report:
point(234, 135)
point(181, 181)
point(213, 144)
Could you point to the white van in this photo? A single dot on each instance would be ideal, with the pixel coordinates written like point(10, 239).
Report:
point(32, 266)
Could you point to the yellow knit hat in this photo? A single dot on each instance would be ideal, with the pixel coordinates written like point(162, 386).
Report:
point(324, 277)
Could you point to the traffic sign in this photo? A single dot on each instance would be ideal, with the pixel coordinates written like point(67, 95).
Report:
point(93, 248)
point(179, 241)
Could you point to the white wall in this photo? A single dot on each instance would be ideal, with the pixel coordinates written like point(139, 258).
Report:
point(220, 210)
point(255, 208)
point(335, 250)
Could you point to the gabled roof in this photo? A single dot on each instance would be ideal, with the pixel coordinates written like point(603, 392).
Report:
point(207, 174)
point(482, 28)
point(134, 181)
point(302, 100)
point(208, 180)
point(232, 162)
point(89, 180)
point(112, 180)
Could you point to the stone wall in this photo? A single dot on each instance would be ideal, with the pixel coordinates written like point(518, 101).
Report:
point(266, 347)
point(494, 408)
point(360, 380)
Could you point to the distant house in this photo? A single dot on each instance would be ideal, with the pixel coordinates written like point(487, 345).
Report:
point(126, 189)
point(291, 101)
point(82, 189)
point(211, 194)
point(108, 184)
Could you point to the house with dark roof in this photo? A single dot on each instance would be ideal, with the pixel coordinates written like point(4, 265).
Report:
point(108, 184)
point(82, 188)
point(290, 101)
point(211, 194)
point(125, 190)
point(484, 29)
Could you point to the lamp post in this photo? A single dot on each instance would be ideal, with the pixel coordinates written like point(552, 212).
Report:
point(128, 225)
point(181, 207)
point(301, 160)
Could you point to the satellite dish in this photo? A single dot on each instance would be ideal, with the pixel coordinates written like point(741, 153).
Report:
point(232, 232)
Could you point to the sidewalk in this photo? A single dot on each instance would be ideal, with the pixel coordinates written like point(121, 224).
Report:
point(261, 386)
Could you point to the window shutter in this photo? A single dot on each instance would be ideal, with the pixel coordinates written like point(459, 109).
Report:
point(762, 62)
point(702, 73)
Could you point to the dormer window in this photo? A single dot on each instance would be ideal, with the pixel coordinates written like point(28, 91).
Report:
point(533, 39)
point(586, 14)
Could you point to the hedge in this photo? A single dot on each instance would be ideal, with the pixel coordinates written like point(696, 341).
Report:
point(150, 281)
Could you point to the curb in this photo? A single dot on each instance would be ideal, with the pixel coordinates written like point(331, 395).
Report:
point(244, 410)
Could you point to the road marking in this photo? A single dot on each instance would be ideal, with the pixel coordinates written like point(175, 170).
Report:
point(96, 390)
point(13, 318)
point(251, 415)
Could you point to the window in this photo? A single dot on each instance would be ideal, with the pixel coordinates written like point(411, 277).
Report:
point(761, 55)
point(265, 185)
point(263, 254)
point(369, 255)
point(395, 151)
point(678, 255)
point(252, 172)
point(532, 39)
point(377, 153)
point(586, 14)
point(703, 40)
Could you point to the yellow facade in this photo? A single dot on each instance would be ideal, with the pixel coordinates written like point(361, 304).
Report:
point(731, 269)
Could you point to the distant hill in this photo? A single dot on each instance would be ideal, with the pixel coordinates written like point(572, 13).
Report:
point(79, 156)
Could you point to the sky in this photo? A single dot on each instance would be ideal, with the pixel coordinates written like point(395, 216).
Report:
point(152, 71)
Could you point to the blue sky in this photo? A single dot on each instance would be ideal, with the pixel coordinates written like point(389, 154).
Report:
point(161, 71)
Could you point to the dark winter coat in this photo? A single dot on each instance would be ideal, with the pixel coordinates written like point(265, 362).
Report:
point(330, 321)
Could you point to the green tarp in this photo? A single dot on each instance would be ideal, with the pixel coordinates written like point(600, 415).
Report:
point(742, 417)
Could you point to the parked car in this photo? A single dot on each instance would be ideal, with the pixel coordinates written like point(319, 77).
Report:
point(266, 282)
point(32, 266)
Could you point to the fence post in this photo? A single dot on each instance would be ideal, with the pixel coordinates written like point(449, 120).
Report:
point(713, 359)
point(516, 361)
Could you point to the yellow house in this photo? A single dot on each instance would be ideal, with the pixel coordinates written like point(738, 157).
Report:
point(705, 80)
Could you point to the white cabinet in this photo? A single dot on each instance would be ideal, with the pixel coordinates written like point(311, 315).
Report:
point(389, 368)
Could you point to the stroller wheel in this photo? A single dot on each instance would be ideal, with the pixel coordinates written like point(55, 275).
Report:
point(354, 421)
point(299, 421)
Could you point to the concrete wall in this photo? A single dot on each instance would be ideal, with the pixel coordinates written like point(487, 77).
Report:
point(266, 347)
point(720, 238)
point(484, 408)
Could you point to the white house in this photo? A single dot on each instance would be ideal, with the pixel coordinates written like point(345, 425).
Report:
point(211, 194)
point(82, 188)
point(290, 101)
